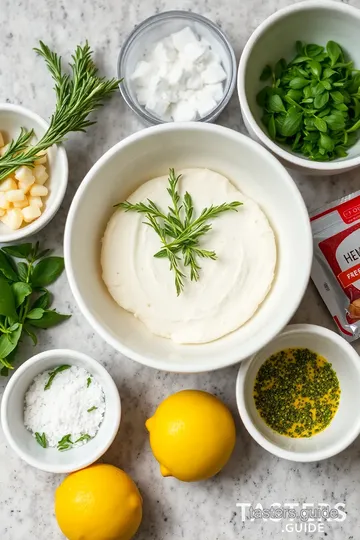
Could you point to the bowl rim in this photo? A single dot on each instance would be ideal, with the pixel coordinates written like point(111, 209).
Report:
point(61, 185)
point(115, 410)
point(178, 367)
point(145, 115)
point(316, 455)
point(308, 5)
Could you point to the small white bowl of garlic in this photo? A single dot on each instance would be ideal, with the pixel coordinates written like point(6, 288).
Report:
point(30, 197)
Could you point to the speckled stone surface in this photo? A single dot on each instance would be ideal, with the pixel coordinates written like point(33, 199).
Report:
point(171, 510)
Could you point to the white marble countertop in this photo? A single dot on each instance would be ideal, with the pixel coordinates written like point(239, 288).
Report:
point(171, 509)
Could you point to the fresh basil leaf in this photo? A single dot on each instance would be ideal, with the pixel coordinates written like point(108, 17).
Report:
point(295, 95)
point(337, 96)
point(315, 68)
point(353, 128)
point(7, 300)
point(275, 104)
point(6, 267)
point(340, 152)
point(21, 290)
point(324, 112)
point(335, 121)
point(326, 142)
point(326, 84)
point(292, 122)
point(47, 271)
point(8, 342)
point(300, 59)
point(334, 51)
point(49, 318)
point(42, 254)
point(341, 107)
point(272, 128)
point(328, 72)
point(318, 89)
point(35, 314)
point(321, 100)
point(23, 269)
point(30, 333)
point(308, 92)
point(298, 82)
point(21, 251)
point(320, 124)
point(43, 301)
point(356, 107)
point(266, 73)
point(313, 50)
point(308, 100)
point(296, 141)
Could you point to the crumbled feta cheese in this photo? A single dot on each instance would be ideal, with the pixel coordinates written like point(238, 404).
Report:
point(180, 77)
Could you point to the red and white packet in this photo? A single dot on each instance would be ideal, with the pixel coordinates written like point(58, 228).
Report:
point(336, 265)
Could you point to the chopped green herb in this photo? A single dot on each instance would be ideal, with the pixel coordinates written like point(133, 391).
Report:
point(84, 437)
point(88, 382)
point(312, 103)
point(92, 409)
point(52, 375)
point(297, 392)
point(41, 439)
point(65, 443)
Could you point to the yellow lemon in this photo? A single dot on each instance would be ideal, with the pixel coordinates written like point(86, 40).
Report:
point(98, 503)
point(192, 435)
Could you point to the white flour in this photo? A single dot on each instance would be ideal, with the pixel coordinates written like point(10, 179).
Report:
point(64, 409)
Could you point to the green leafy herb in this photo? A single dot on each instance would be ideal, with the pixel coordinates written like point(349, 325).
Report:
point(88, 382)
point(41, 439)
point(313, 103)
point(65, 443)
point(23, 303)
point(179, 231)
point(77, 95)
point(92, 409)
point(84, 437)
point(52, 375)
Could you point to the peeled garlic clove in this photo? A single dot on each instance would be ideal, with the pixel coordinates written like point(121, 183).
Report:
point(29, 213)
point(8, 184)
point(13, 218)
point(15, 195)
point(38, 191)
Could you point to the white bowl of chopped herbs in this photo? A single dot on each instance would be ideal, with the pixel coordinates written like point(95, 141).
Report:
point(60, 411)
point(299, 86)
point(299, 396)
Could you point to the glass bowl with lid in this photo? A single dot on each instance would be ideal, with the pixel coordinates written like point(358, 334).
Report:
point(158, 27)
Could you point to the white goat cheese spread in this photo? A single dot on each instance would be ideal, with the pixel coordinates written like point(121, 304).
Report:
point(230, 289)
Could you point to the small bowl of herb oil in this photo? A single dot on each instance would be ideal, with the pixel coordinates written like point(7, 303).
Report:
point(298, 397)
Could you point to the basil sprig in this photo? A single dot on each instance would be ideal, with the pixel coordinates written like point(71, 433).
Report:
point(24, 299)
point(313, 103)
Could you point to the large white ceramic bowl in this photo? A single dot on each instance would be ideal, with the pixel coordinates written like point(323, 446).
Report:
point(23, 442)
point(12, 118)
point(345, 426)
point(311, 22)
point(148, 154)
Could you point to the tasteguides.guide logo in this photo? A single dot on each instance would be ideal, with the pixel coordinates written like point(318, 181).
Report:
point(294, 517)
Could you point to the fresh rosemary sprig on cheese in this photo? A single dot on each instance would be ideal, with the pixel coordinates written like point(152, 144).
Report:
point(179, 231)
point(77, 95)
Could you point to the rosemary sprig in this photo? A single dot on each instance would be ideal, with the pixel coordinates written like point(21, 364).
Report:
point(179, 231)
point(77, 95)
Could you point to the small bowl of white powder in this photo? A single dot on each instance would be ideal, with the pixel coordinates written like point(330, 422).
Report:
point(60, 411)
point(177, 66)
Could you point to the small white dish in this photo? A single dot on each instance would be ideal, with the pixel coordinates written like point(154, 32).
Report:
point(148, 154)
point(12, 118)
point(23, 442)
point(345, 426)
point(311, 22)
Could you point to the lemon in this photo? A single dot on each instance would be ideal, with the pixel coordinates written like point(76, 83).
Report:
point(98, 503)
point(192, 435)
